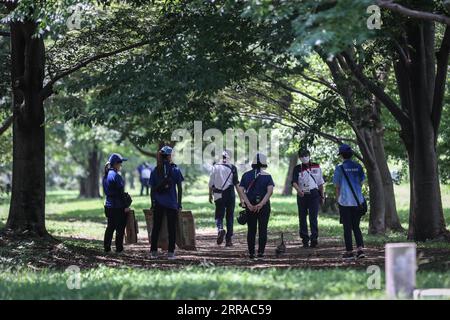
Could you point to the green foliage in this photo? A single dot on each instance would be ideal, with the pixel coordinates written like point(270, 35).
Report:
point(193, 52)
point(330, 25)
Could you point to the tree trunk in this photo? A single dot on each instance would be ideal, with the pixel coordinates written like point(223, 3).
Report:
point(376, 192)
point(428, 217)
point(89, 185)
point(427, 220)
point(392, 221)
point(131, 180)
point(27, 207)
point(287, 190)
point(411, 194)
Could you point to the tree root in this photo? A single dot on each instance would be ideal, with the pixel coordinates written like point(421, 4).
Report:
point(16, 235)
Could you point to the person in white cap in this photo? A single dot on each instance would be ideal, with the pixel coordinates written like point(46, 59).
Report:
point(256, 189)
point(222, 182)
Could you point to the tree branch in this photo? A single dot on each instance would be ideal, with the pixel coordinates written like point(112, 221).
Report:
point(423, 15)
point(48, 89)
point(143, 151)
point(299, 126)
point(377, 91)
point(441, 80)
point(8, 122)
point(290, 89)
point(320, 81)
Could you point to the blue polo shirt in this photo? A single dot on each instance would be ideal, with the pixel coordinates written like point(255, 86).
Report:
point(167, 199)
point(259, 187)
point(356, 176)
point(114, 188)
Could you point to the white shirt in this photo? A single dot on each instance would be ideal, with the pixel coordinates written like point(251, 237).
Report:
point(310, 178)
point(221, 178)
point(145, 173)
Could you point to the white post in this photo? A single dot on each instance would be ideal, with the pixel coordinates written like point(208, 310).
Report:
point(400, 266)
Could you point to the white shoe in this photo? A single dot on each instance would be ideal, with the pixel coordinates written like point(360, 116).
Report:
point(171, 256)
point(153, 254)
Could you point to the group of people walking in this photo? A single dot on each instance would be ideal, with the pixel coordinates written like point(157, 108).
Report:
point(254, 190)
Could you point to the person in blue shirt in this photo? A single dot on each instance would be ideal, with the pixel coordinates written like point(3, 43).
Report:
point(166, 194)
point(144, 171)
point(256, 189)
point(115, 207)
point(348, 204)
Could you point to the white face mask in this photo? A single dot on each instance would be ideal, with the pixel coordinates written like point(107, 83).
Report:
point(304, 159)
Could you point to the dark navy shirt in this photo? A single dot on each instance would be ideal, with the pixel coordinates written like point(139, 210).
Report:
point(258, 189)
point(114, 188)
point(167, 199)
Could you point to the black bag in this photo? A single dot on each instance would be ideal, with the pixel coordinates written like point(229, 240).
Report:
point(362, 207)
point(127, 199)
point(243, 217)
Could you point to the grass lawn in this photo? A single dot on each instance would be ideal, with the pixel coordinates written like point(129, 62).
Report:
point(28, 271)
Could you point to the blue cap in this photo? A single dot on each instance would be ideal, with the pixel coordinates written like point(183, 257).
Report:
point(116, 158)
point(166, 150)
point(344, 148)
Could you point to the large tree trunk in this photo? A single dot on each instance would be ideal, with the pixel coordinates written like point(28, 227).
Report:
point(27, 208)
point(287, 189)
point(89, 185)
point(427, 220)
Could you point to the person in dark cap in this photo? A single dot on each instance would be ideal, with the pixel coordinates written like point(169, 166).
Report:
point(115, 207)
point(348, 179)
point(307, 180)
point(256, 189)
point(166, 195)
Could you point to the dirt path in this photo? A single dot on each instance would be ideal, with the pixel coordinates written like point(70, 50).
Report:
point(87, 253)
point(208, 253)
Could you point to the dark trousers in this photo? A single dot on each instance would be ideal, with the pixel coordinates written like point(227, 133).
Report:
point(351, 218)
point(258, 220)
point(171, 215)
point(145, 183)
point(117, 221)
point(308, 205)
point(225, 209)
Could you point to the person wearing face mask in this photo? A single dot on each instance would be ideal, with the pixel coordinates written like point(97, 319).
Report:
point(307, 180)
point(115, 206)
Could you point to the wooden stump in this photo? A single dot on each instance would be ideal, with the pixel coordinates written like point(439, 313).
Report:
point(186, 231)
point(163, 239)
point(131, 229)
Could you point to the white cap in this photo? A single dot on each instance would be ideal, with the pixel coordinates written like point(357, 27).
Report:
point(226, 154)
point(262, 159)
